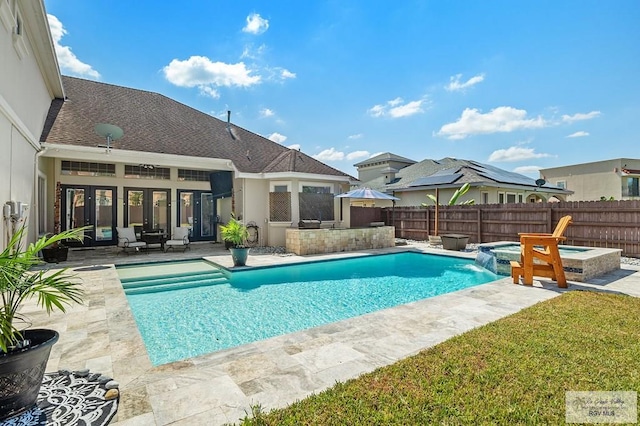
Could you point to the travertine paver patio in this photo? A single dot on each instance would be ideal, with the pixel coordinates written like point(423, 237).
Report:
point(220, 387)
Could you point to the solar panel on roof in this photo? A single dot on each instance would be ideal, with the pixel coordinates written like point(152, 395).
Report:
point(506, 177)
point(436, 180)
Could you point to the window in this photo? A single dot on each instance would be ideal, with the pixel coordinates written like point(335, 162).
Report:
point(193, 175)
point(484, 196)
point(633, 190)
point(145, 171)
point(280, 188)
point(316, 203)
point(511, 197)
point(520, 198)
point(81, 168)
point(561, 184)
point(501, 197)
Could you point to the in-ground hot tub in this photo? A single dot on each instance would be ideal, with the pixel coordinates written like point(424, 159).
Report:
point(579, 263)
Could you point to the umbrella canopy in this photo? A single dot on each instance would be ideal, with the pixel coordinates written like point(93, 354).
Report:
point(367, 193)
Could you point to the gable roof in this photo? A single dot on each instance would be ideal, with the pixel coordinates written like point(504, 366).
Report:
point(155, 123)
point(450, 172)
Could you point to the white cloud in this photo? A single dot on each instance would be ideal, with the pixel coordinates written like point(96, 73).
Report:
point(357, 154)
point(201, 72)
point(66, 58)
point(329, 155)
point(256, 24)
point(455, 85)
point(579, 134)
point(251, 53)
point(406, 110)
point(580, 116)
point(295, 146)
point(209, 91)
point(528, 170)
point(396, 108)
point(356, 136)
point(277, 137)
point(266, 112)
point(501, 119)
point(376, 111)
point(287, 74)
point(515, 153)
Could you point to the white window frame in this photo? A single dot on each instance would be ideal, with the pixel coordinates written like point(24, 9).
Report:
point(561, 184)
point(502, 195)
point(520, 197)
point(272, 185)
point(513, 194)
point(317, 185)
point(484, 197)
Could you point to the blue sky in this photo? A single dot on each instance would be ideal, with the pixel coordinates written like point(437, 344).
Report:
point(521, 85)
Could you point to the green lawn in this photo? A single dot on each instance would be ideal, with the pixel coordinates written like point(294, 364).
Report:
point(513, 371)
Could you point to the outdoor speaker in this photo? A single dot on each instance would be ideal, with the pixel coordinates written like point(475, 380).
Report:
point(221, 184)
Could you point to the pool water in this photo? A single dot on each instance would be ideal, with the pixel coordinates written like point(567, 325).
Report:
point(261, 303)
point(515, 247)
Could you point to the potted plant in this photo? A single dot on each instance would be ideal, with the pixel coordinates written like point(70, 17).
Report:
point(436, 239)
point(24, 353)
point(235, 233)
point(56, 252)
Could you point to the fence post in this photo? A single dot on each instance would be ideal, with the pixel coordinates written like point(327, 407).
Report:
point(479, 225)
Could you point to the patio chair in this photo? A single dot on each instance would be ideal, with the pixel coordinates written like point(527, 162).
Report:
point(180, 238)
point(127, 240)
point(539, 256)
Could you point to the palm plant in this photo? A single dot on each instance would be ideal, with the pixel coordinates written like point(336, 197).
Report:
point(19, 283)
point(234, 232)
point(454, 198)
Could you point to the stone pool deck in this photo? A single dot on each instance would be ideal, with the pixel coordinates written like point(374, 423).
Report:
point(220, 387)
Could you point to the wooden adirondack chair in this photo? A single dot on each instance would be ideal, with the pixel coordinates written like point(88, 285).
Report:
point(539, 256)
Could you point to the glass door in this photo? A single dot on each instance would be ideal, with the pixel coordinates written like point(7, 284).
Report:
point(91, 206)
point(198, 212)
point(147, 209)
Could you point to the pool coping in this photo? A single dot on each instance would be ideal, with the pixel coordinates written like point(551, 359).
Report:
point(222, 386)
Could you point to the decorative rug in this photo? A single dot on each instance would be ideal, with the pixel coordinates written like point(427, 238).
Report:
point(72, 398)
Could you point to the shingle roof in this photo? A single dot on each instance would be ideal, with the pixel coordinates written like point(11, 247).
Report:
point(155, 123)
point(385, 156)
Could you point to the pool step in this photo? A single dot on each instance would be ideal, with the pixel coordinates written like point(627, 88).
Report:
point(174, 282)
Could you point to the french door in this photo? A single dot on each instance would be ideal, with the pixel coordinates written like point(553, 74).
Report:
point(147, 208)
point(92, 206)
point(197, 211)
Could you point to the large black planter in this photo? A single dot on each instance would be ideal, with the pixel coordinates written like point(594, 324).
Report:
point(21, 372)
point(55, 254)
point(239, 255)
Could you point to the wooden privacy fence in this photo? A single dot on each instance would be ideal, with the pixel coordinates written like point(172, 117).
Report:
point(612, 224)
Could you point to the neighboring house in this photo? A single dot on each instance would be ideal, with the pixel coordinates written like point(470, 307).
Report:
point(489, 184)
point(29, 80)
point(174, 165)
point(617, 179)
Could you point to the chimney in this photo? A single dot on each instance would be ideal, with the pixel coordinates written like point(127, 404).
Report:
point(228, 119)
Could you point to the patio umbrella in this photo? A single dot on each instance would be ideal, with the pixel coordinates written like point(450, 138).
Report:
point(370, 194)
point(367, 193)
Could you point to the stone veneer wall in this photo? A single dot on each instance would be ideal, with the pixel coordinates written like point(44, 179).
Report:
point(317, 241)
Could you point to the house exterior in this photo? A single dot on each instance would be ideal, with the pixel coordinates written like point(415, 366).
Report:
point(29, 81)
point(488, 184)
point(170, 166)
point(618, 179)
point(173, 166)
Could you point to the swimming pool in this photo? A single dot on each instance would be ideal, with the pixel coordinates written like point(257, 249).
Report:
point(265, 302)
